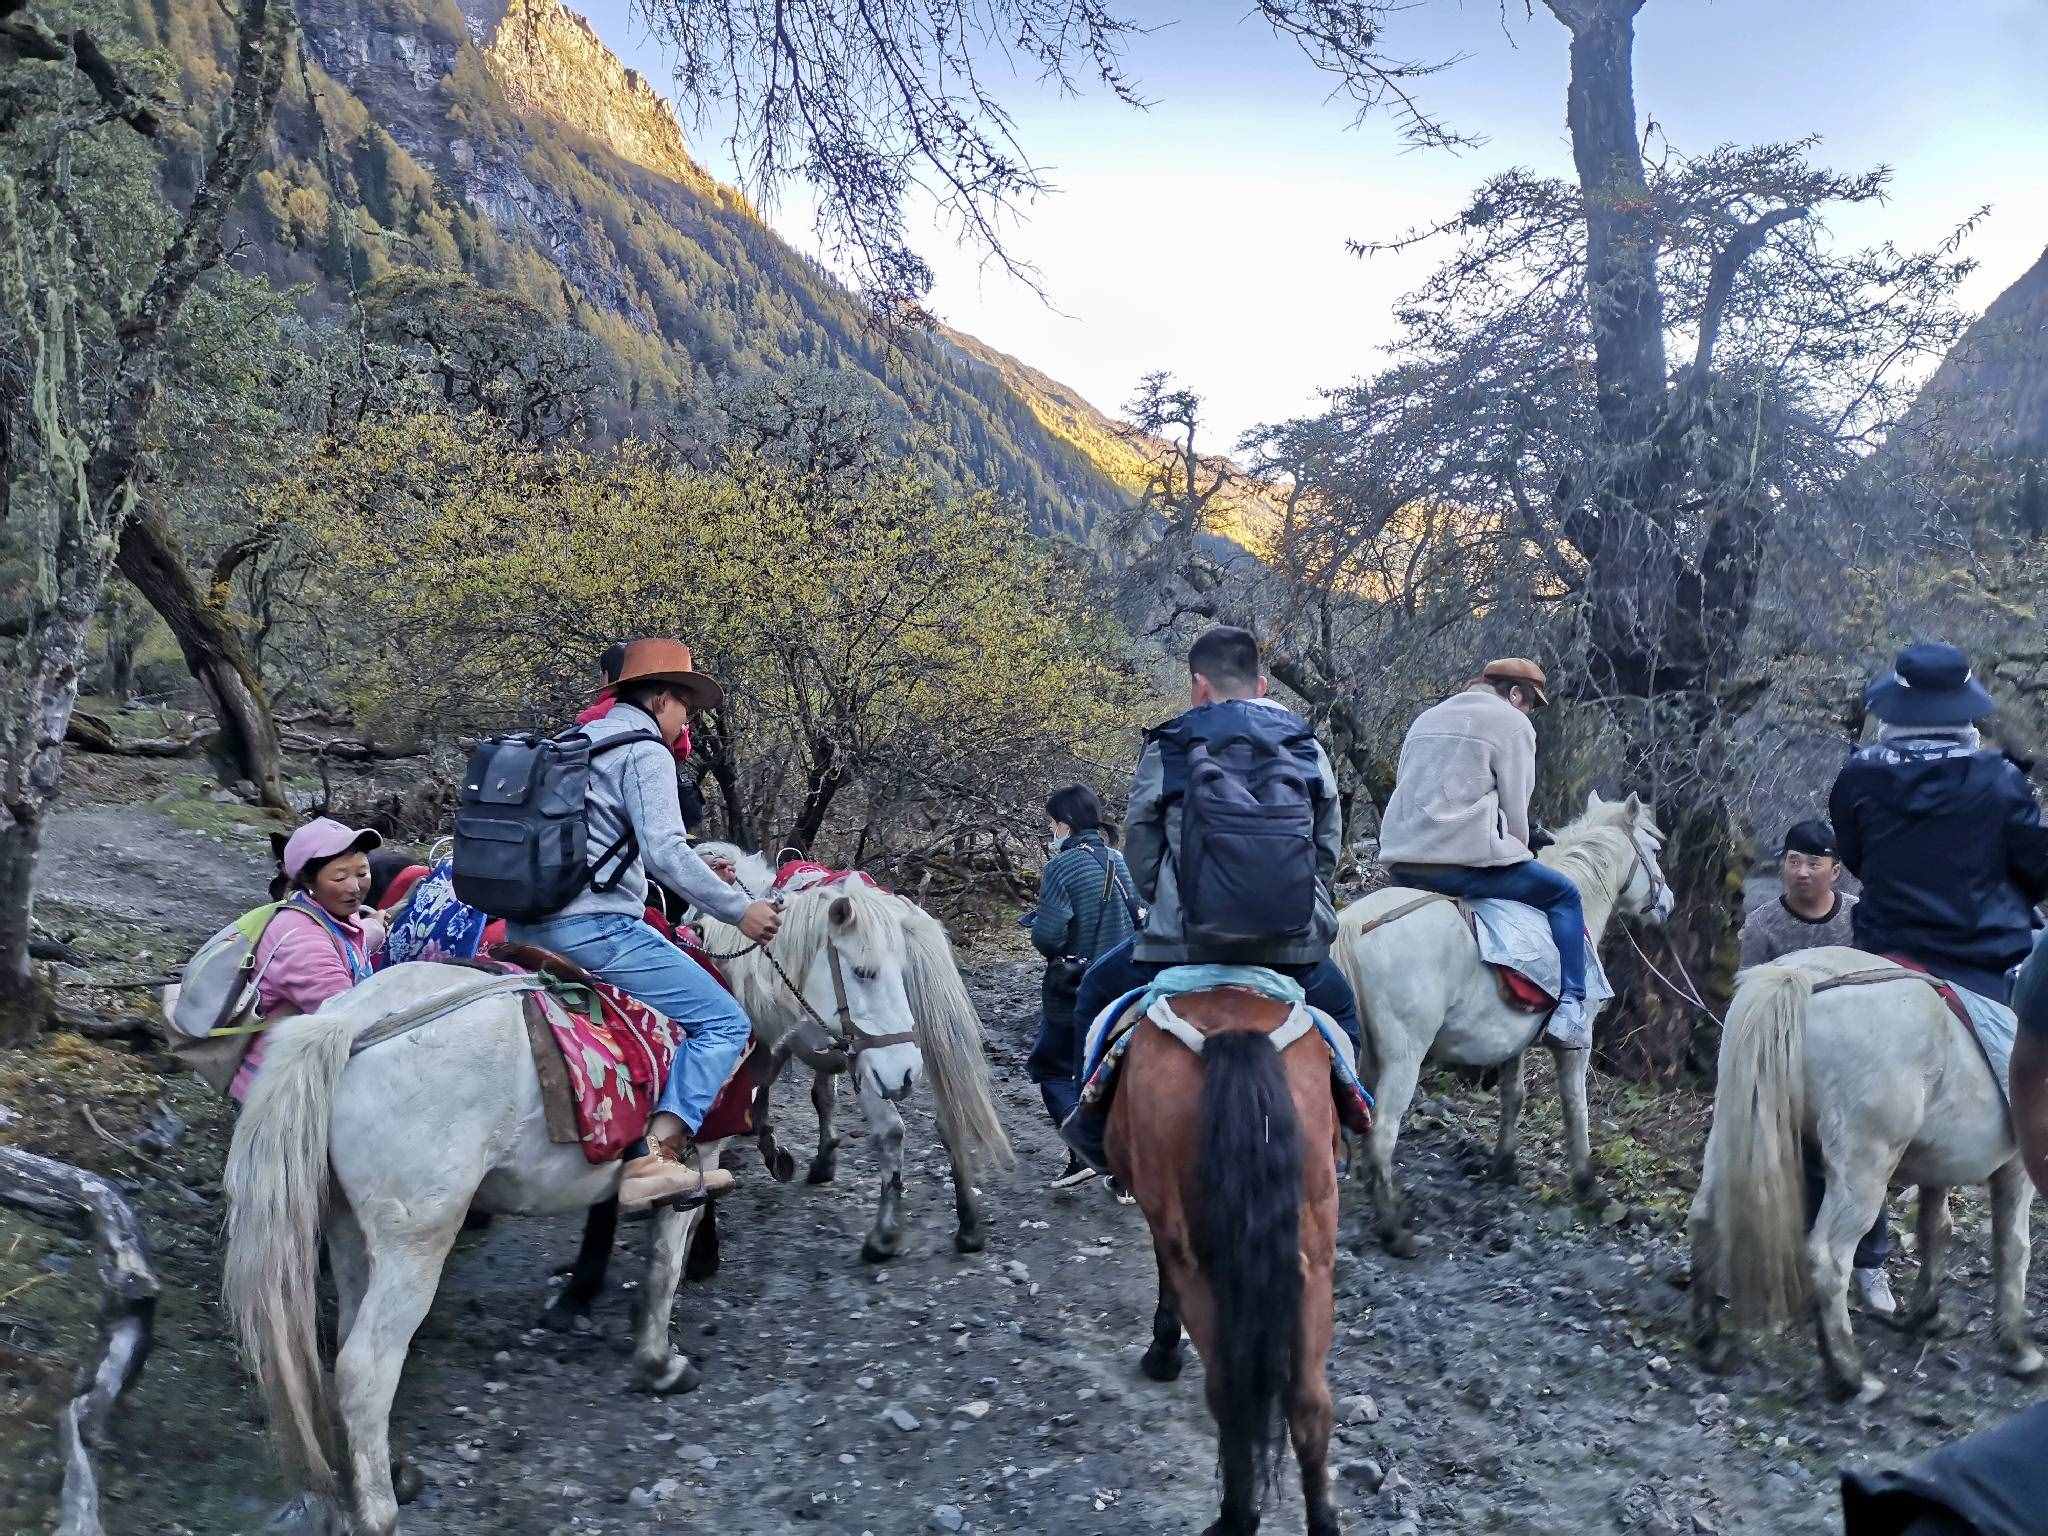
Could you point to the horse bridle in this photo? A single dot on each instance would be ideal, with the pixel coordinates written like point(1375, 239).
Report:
point(1658, 884)
point(852, 1041)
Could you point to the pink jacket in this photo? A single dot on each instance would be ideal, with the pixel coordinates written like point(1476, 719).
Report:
point(299, 967)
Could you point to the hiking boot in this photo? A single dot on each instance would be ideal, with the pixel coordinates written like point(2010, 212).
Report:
point(669, 1175)
point(1077, 1173)
point(1570, 1025)
point(1875, 1292)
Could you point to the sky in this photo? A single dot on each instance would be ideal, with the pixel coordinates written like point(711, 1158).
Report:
point(1207, 235)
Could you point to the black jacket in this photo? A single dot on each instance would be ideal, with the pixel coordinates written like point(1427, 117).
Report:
point(1996, 1481)
point(1950, 849)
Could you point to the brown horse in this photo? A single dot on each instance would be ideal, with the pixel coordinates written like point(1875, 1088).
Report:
point(1232, 1155)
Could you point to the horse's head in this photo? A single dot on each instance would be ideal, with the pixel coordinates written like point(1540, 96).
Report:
point(1645, 893)
point(855, 977)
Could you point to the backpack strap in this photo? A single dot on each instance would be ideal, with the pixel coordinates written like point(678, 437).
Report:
point(626, 849)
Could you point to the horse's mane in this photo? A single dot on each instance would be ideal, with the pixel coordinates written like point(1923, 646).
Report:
point(1597, 851)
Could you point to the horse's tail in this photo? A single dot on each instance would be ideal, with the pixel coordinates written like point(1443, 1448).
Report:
point(949, 1038)
point(1249, 1241)
point(276, 1182)
point(1754, 1172)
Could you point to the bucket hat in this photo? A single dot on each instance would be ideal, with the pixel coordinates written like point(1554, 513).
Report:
point(1930, 684)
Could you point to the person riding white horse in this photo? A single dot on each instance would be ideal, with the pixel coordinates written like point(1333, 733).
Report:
point(1458, 820)
point(631, 803)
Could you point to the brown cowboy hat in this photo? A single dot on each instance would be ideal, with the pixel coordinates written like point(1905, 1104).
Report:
point(1518, 669)
point(667, 661)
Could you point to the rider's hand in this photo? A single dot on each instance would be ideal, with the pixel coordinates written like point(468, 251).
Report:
point(761, 921)
point(724, 870)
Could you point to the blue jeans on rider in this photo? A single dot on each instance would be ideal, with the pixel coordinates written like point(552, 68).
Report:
point(1875, 1246)
point(638, 961)
point(1532, 883)
point(1115, 972)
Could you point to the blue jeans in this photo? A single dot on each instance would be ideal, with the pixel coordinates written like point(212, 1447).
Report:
point(1533, 883)
point(641, 963)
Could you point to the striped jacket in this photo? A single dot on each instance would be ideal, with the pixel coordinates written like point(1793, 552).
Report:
point(1070, 897)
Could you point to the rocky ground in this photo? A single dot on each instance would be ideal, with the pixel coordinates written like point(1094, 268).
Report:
point(1527, 1373)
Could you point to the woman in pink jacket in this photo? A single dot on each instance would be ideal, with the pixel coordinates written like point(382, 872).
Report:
point(321, 940)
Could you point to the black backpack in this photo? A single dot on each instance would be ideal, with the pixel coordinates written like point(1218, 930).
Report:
point(521, 843)
point(1247, 868)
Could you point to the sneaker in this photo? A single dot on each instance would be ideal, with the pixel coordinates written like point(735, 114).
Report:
point(1077, 1173)
point(1570, 1026)
point(1116, 1188)
point(1875, 1292)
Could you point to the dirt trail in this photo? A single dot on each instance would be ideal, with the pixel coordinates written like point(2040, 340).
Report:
point(1527, 1373)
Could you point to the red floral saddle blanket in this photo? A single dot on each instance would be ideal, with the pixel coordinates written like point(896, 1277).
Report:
point(603, 1056)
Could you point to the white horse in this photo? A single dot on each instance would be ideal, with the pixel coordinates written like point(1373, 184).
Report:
point(948, 1047)
point(1888, 1084)
point(383, 1152)
point(1423, 994)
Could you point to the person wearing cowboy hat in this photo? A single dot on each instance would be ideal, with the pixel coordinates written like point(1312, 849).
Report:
point(632, 789)
point(1944, 833)
point(1458, 820)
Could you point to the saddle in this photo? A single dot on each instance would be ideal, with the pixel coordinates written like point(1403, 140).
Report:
point(603, 1056)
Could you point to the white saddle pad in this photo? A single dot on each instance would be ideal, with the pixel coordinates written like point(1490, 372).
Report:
point(1516, 935)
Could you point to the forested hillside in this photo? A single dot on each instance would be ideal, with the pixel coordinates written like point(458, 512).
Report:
point(516, 152)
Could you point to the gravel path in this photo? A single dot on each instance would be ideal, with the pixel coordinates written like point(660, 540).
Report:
point(1527, 1373)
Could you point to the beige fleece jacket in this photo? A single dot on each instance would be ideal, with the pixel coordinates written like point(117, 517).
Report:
point(1461, 792)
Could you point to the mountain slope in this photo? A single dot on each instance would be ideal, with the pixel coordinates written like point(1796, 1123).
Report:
point(1992, 389)
point(511, 146)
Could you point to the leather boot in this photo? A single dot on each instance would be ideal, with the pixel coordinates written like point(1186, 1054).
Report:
point(669, 1174)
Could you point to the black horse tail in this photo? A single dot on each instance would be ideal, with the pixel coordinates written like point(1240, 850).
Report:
point(1250, 1244)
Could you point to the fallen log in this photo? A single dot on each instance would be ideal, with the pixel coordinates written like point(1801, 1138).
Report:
point(346, 749)
point(88, 733)
point(82, 1201)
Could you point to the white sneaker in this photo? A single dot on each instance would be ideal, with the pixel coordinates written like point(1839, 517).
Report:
point(1875, 1292)
point(1570, 1025)
point(1077, 1173)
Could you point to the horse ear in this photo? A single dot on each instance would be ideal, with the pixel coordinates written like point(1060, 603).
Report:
point(1634, 806)
point(841, 911)
point(1592, 801)
point(277, 842)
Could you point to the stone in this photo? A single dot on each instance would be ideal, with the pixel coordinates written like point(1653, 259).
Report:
point(865, 1383)
point(696, 1452)
point(899, 1417)
point(1367, 1473)
point(948, 1517)
point(1613, 1214)
point(1359, 1408)
point(977, 1409)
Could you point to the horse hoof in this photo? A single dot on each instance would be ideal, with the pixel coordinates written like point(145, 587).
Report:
point(781, 1163)
point(1929, 1323)
point(1717, 1355)
point(970, 1240)
point(1585, 1186)
point(2025, 1363)
point(1869, 1392)
point(1502, 1170)
point(1402, 1244)
point(565, 1316)
point(879, 1250)
point(407, 1481)
point(822, 1171)
point(674, 1379)
point(1161, 1364)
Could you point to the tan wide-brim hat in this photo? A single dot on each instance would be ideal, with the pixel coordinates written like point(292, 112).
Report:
point(1518, 669)
point(667, 661)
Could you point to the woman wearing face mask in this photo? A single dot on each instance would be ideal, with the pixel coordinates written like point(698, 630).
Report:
point(1084, 907)
point(321, 940)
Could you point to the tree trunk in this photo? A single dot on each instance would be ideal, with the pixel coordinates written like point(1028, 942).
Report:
point(822, 785)
point(25, 1002)
point(214, 651)
point(1653, 1032)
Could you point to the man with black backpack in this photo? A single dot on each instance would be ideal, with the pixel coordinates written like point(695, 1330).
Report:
point(1233, 838)
point(561, 838)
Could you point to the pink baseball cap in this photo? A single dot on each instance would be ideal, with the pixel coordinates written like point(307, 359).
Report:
point(322, 838)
